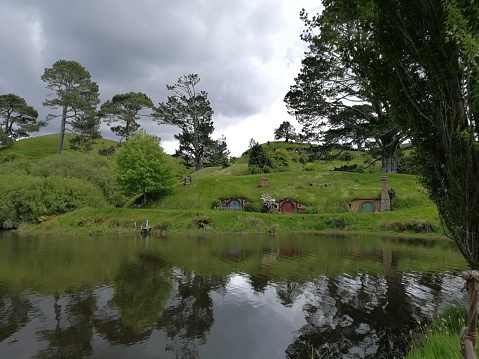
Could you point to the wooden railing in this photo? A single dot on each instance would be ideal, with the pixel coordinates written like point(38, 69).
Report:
point(469, 333)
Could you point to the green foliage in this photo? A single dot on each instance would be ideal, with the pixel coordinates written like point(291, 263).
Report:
point(285, 130)
point(337, 222)
point(27, 198)
point(142, 166)
point(215, 204)
point(250, 207)
point(127, 109)
point(411, 226)
point(440, 338)
point(281, 158)
point(311, 210)
point(259, 159)
point(17, 119)
point(203, 222)
point(76, 96)
point(191, 112)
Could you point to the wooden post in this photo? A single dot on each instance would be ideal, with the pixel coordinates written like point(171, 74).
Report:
point(469, 333)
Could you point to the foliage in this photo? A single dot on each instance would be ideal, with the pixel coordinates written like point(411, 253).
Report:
point(281, 158)
point(259, 157)
point(191, 112)
point(76, 96)
point(96, 170)
point(440, 338)
point(127, 109)
point(217, 153)
point(285, 130)
point(433, 46)
point(142, 166)
point(17, 118)
point(27, 198)
point(268, 201)
point(340, 95)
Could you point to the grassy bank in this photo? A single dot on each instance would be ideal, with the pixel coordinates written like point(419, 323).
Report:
point(422, 222)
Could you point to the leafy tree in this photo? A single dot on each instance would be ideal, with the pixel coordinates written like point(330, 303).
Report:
point(285, 130)
point(190, 110)
point(87, 130)
point(143, 167)
point(127, 109)
point(17, 118)
point(217, 153)
point(341, 94)
point(75, 94)
point(260, 159)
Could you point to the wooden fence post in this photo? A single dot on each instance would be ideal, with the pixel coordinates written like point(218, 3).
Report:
point(469, 333)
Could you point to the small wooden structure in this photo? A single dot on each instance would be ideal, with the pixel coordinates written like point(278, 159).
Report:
point(187, 180)
point(469, 333)
point(146, 229)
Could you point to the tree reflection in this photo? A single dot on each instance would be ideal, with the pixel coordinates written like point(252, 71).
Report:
point(72, 335)
point(142, 287)
point(14, 312)
point(356, 316)
point(189, 318)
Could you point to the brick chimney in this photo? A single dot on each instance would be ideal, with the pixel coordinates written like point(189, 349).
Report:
point(385, 200)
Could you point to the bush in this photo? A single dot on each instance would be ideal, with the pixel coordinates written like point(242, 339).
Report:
point(203, 222)
point(311, 210)
point(27, 198)
point(250, 207)
point(215, 204)
point(337, 222)
point(411, 226)
point(163, 226)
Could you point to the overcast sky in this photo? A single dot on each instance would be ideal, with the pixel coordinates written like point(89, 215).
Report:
point(246, 52)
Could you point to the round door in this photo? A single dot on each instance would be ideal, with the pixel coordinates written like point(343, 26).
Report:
point(367, 207)
point(287, 207)
point(235, 204)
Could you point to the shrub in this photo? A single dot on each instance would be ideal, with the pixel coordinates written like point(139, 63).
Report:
point(215, 204)
point(337, 222)
point(26, 198)
point(410, 226)
point(250, 207)
point(311, 210)
point(273, 229)
point(203, 222)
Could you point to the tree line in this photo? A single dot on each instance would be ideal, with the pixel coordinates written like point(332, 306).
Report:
point(75, 101)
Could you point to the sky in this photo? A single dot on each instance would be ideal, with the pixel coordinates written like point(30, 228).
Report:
point(246, 53)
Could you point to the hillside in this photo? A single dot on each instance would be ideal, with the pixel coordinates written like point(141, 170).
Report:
point(325, 192)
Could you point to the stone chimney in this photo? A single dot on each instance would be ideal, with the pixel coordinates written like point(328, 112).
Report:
point(385, 200)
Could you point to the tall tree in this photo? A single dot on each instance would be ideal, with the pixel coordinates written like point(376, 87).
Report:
point(75, 94)
point(190, 110)
point(17, 118)
point(430, 49)
point(127, 109)
point(142, 166)
point(285, 130)
point(340, 95)
point(217, 153)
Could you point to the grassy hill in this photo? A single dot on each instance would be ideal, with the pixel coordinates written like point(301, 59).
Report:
point(44, 146)
point(190, 208)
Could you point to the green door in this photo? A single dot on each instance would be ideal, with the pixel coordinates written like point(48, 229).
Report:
point(367, 207)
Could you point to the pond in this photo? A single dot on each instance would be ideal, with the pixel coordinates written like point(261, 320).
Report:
point(219, 296)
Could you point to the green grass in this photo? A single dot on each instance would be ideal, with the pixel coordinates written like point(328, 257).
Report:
point(440, 339)
point(43, 146)
point(413, 212)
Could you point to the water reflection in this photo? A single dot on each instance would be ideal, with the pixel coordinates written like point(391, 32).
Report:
point(219, 297)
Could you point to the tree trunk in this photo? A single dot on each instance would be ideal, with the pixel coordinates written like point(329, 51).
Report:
point(62, 130)
point(389, 162)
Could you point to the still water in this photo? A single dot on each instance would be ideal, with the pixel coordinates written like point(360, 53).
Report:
point(219, 296)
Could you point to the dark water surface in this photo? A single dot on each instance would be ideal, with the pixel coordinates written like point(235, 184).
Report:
point(219, 296)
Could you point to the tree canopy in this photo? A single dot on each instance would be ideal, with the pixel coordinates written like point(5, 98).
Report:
point(127, 109)
point(143, 167)
point(17, 118)
point(189, 110)
point(76, 95)
point(285, 130)
point(417, 59)
point(341, 95)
